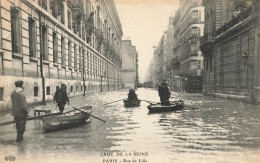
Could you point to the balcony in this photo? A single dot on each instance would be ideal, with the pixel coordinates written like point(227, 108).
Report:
point(236, 21)
point(206, 44)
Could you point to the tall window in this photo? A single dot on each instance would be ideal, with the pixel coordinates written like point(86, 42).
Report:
point(32, 37)
point(195, 15)
point(69, 19)
point(15, 30)
point(195, 31)
point(55, 47)
point(63, 59)
point(53, 7)
point(69, 53)
point(1, 93)
point(75, 56)
point(83, 59)
point(80, 58)
point(44, 42)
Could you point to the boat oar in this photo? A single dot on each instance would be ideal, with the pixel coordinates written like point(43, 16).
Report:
point(111, 102)
point(190, 107)
point(150, 102)
point(90, 115)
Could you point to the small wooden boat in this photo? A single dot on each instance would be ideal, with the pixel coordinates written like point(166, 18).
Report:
point(67, 120)
point(131, 103)
point(174, 105)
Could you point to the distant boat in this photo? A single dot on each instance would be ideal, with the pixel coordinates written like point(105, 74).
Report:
point(158, 107)
point(67, 120)
point(131, 103)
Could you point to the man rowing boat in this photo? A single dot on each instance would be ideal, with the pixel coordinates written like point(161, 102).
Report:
point(164, 93)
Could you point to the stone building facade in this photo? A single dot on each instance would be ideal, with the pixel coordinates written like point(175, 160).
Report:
point(49, 42)
point(231, 49)
point(168, 53)
point(187, 60)
point(158, 63)
point(129, 65)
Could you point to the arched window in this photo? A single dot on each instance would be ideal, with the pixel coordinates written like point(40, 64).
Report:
point(238, 8)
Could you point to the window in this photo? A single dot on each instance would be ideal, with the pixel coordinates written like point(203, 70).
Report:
point(44, 4)
point(195, 2)
point(75, 56)
point(1, 93)
point(55, 47)
point(83, 59)
point(44, 41)
point(15, 30)
point(81, 88)
point(195, 15)
point(32, 37)
point(53, 7)
point(63, 61)
point(69, 19)
point(35, 91)
point(69, 53)
point(76, 88)
point(48, 90)
point(71, 89)
point(194, 31)
point(80, 66)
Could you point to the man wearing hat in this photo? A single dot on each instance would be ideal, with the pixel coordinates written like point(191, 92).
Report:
point(61, 97)
point(164, 93)
point(19, 109)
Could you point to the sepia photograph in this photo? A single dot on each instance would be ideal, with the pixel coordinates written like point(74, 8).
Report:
point(129, 81)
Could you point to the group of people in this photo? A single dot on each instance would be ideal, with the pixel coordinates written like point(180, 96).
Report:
point(20, 107)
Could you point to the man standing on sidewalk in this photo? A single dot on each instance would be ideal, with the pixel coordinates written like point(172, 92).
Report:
point(19, 109)
point(60, 97)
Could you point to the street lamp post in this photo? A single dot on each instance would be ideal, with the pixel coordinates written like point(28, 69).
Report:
point(104, 75)
point(185, 83)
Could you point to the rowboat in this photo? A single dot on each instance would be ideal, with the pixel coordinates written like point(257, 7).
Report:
point(67, 120)
point(131, 103)
point(158, 107)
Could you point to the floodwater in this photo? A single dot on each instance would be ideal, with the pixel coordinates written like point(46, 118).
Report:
point(212, 130)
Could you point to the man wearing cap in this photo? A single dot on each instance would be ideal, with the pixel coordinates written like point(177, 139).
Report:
point(61, 97)
point(164, 93)
point(19, 109)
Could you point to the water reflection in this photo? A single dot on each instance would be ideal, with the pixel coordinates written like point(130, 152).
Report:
point(218, 130)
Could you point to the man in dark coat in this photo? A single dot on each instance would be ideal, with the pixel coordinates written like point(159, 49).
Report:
point(164, 93)
point(60, 97)
point(19, 109)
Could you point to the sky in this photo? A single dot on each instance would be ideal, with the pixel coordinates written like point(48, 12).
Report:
point(144, 22)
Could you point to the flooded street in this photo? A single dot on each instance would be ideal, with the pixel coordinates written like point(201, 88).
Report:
point(215, 130)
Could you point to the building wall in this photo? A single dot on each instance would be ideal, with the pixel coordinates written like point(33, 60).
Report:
point(34, 38)
point(187, 61)
point(128, 78)
point(230, 51)
point(129, 64)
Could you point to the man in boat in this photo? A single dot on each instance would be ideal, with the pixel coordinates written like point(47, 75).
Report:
point(19, 109)
point(61, 98)
point(132, 99)
point(164, 93)
point(132, 95)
